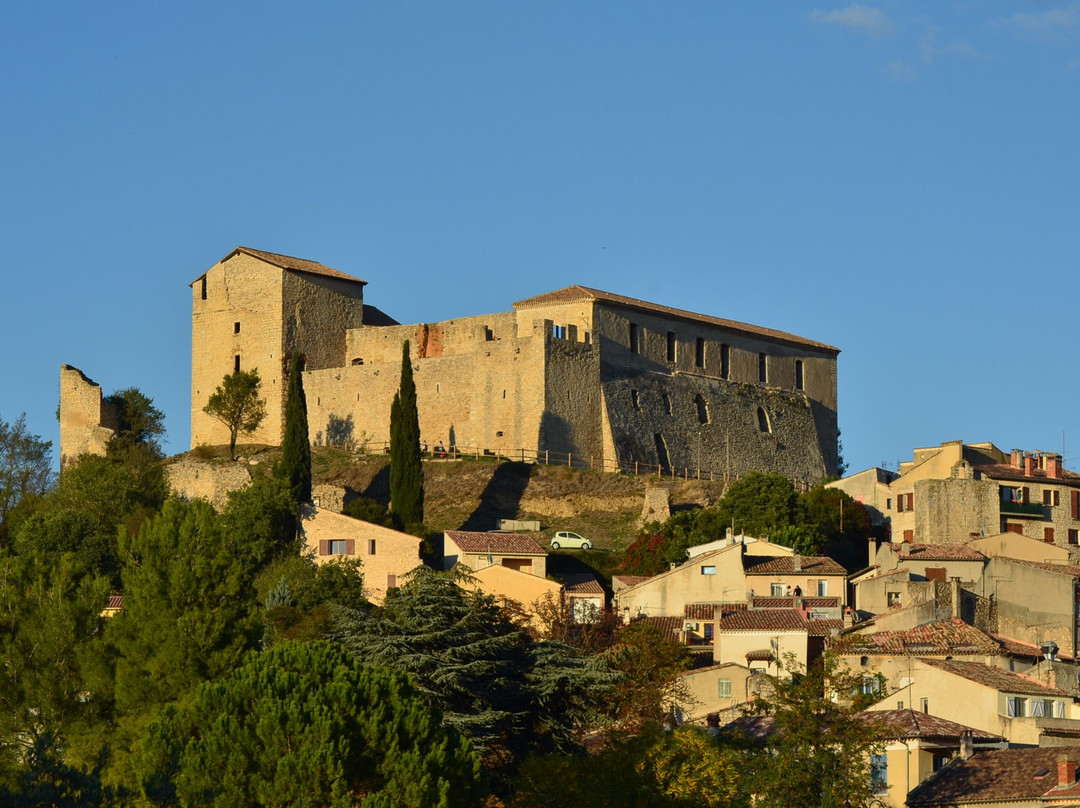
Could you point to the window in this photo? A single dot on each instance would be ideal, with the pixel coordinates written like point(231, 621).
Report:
point(905, 502)
point(723, 688)
point(864, 661)
point(879, 773)
point(1074, 536)
point(204, 287)
point(699, 352)
point(776, 590)
point(558, 332)
point(899, 705)
point(1040, 708)
point(1014, 707)
point(1048, 535)
point(236, 363)
point(909, 536)
point(236, 328)
point(763, 424)
point(888, 504)
point(635, 339)
point(869, 685)
point(635, 400)
point(892, 599)
point(1059, 709)
point(1051, 497)
point(1074, 501)
point(798, 375)
point(371, 546)
point(725, 361)
point(391, 581)
point(926, 706)
point(671, 346)
point(708, 569)
point(337, 547)
point(667, 402)
point(762, 367)
point(702, 409)
point(489, 335)
point(708, 628)
point(357, 361)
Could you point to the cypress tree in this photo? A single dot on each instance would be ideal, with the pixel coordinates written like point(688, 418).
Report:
point(295, 466)
point(406, 470)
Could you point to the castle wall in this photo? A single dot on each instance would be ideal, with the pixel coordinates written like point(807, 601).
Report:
point(87, 422)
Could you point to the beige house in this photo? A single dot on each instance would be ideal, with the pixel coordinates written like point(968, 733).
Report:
point(715, 689)
point(477, 550)
point(1020, 708)
point(507, 585)
point(765, 640)
point(386, 554)
point(585, 597)
point(904, 574)
point(914, 746)
point(956, 491)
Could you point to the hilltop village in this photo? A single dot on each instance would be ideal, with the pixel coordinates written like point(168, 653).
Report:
point(766, 631)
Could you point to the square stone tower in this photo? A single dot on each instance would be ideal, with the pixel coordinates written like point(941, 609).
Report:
point(252, 310)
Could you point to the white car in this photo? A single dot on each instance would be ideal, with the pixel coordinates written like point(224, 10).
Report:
point(564, 538)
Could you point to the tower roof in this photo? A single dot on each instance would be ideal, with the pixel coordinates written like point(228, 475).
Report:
point(292, 264)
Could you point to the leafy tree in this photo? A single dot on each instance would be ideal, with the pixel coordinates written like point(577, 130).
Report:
point(649, 664)
point(819, 751)
point(757, 504)
point(298, 596)
point(498, 688)
point(236, 404)
point(552, 619)
point(260, 522)
point(46, 779)
point(189, 615)
point(295, 464)
point(140, 423)
point(370, 510)
point(305, 724)
point(54, 677)
point(406, 469)
point(25, 468)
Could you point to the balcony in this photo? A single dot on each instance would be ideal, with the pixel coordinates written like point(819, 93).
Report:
point(1033, 510)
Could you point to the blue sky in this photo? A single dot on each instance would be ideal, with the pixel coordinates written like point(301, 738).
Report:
point(897, 179)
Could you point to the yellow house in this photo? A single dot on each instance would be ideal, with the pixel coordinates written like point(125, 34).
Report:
point(386, 554)
point(715, 689)
point(766, 639)
point(477, 550)
point(507, 584)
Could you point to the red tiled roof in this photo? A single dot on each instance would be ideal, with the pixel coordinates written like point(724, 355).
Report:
point(997, 678)
point(669, 627)
point(115, 602)
point(761, 655)
point(492, 543)
point(630, 580)
point(995, 775)
point(570, 294)
point(900, 724)
point(581, 584)
point(777, 620)
point(1014, 647)
point(944, 637)
point(293, 264)
point(1060, 569)
point(785, 565)
point(755, 727)
point(937, 552)
point(700, 611)
point(1004, 471)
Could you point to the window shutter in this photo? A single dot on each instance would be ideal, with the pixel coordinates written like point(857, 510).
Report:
point(1075, 496)
point(1027, 494)
point(350, 546)
point(391, 581)
point(324, 547)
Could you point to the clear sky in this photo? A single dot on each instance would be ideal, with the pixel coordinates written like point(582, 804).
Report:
point(897, 179)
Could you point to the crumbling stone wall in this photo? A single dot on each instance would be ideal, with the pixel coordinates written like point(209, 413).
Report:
point(190, 478)
point(87, 421)
point(953, 509)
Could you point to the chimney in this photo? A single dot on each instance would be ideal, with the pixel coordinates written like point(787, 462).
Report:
point(967, 745)
point(1015, 457)
point(872, 544)
point(954, 585)
point(1053, 467)
point(796, 562)
point(1029, 465)
point(1066, 771)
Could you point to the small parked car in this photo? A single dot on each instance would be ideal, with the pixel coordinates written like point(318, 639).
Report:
point(564, 538)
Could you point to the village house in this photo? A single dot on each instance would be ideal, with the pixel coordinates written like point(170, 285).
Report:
point(477, 550)
point(1003, 778)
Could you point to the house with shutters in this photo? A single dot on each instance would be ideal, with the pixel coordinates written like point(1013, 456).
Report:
point(951, 493)
point(476, 550)
point(385, 554)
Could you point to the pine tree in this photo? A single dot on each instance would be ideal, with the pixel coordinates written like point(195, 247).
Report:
point(406, 469)
point(295, 466)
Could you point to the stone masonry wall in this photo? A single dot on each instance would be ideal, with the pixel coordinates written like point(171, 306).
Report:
point(949, 511)
point(87, 422)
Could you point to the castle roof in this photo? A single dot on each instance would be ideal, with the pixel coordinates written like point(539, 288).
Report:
point(292, 264)
point(570, 294)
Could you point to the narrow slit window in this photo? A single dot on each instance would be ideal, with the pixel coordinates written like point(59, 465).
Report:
point(635, 338)
point(725, 361)
point(236, 363)
point(671, 345)
point(798, 374)
point(236, 328)
point(699, 352)
point(204, 287)
point(763, 367)
point(763, 421)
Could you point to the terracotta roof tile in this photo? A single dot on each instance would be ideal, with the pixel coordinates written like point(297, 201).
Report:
point(669, 627)
point(700, 611)
point(1003, 471)
point(1060, 569)
point(630, 580)
point(291, 263)
point(902, 724)
point(785, 565)
point(995, 775)
point(777, 620)
point(517, 543)
point(937, 552)
point(944, 637)
point(115, 602)
point(581, 584)
point(572, 293)
point(997, 678)
point(1014, 647)
point(761, 602)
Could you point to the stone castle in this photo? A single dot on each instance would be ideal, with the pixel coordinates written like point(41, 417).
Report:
point(603, 380)
point(572, 376)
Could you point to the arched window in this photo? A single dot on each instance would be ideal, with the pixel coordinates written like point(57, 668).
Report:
point(702, 409)
point(763, 420)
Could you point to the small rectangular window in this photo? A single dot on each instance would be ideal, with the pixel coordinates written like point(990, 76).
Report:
point(635, 399)
point(763, 367)
point(723, 688)
point(699, 352)
point(909, 536)
point(1074, 536)
point(708, 569)
point(926, 706)
point(892, 598)
point(236, 363)
point(391, 581)
point(337, 547)
point(236, 328)
point(798, 375)
point(776, 590)
point(725, 361)
point(204, 287)
point(1014, 707)
point(879, 773)
point(671, 344)
point(371, 546)
point(635, 338)
point(822, 588)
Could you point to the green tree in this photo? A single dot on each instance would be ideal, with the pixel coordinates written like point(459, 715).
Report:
point(54, 682)
point(139, 422)
point(189, 615)
point(298, 596)
point(649, 664)
point(295, 464)
point(260, 522)
point(406, 468)
point(818, 753)
point(236, 404)
point(756, 504)
point(305, 724)
point(25, 468)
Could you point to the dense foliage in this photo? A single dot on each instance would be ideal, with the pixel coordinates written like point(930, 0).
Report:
point(406, 468)
point(25, 468)
point(295, 464)
point(236, 404)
